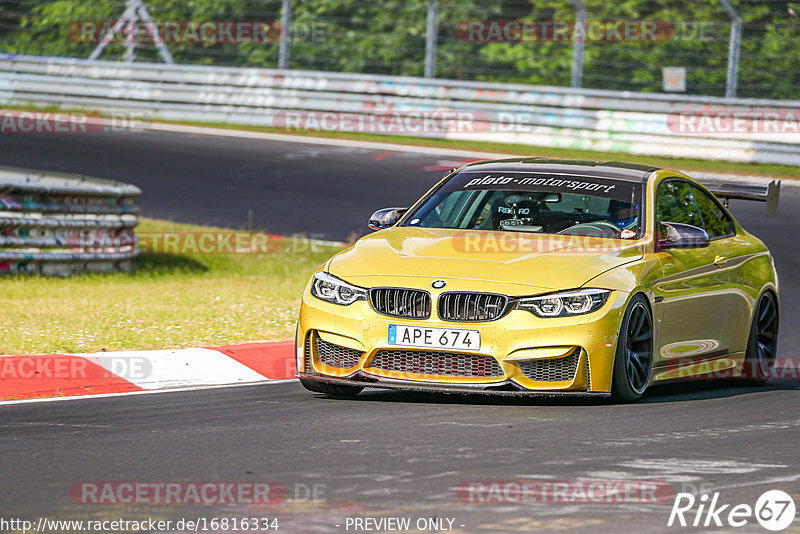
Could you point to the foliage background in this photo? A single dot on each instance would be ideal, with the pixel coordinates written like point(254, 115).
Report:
point(388, 37)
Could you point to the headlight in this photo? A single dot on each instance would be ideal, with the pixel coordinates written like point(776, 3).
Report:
point(330, 289)
point(565, 303)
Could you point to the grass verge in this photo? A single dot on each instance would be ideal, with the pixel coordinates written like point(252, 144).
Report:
point(169, 301)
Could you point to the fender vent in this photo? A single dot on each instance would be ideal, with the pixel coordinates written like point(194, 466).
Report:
point(307, 354)
point(588, 375)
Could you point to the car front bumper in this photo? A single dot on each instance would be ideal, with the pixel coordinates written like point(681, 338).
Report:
point(572, 355)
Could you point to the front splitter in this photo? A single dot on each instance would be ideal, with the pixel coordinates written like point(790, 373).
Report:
point(449, 388)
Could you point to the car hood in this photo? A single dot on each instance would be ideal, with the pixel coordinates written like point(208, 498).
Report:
point(529, 261)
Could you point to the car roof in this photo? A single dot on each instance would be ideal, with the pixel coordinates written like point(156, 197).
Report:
point(631, 172)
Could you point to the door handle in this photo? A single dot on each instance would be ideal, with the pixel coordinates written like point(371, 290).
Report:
point(719, 260)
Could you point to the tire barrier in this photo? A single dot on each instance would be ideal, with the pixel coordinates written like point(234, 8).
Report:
point(62, 224)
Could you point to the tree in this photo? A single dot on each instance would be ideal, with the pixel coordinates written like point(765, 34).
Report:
point(388, 37)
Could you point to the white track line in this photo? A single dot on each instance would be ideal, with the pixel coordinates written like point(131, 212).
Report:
point(393, 147)
point(145, 392)
point(349, 143)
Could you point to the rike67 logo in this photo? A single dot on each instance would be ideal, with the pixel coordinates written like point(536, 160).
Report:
point(774, 510)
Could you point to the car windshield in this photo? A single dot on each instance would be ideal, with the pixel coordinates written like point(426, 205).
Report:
point(534, 202)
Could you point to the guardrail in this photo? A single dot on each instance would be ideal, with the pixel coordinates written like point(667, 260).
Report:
point(745, 130)
point(61, 224)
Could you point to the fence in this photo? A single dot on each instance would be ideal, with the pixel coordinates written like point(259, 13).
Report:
point(60, 224)
point(724, 48)
point(628, 123)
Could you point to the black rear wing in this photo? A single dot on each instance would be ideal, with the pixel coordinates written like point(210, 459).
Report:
point(726, 191)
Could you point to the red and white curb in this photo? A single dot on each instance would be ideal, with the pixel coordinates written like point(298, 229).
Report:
point(104, 373)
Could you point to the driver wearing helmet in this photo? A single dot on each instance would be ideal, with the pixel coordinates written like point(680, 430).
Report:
point(622, 213)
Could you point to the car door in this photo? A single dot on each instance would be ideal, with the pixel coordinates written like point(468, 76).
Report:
point(730, 256)
point(691, 293)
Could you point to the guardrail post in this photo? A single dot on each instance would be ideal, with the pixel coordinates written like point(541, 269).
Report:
point(733, 48)
point(578, 45)
point(286, 30)
point(430, 38)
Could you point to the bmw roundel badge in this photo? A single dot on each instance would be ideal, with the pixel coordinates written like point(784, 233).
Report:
point(439, 284)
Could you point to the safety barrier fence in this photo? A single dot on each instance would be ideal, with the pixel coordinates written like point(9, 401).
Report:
point(742, 130)
point(61, 224)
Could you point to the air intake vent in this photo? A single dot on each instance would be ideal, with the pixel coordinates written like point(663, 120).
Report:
point(337, 356)
point(419, 362)
point(471, 307)
point(553, 369)
point(396, 302)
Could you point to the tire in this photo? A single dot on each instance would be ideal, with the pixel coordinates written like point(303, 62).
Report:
point(633, 362)
point(762, 344)
point(335, 390)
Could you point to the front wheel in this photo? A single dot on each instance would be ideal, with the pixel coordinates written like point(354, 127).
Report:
point(633, 363)
point(762, 345)
point(330, 389)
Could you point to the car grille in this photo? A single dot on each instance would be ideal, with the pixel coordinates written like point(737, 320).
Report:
point(471, 306)
point(436, 363)
point(396, 302)
point(553, 369)
point(337, 356)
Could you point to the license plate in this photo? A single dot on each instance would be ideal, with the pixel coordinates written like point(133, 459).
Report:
point(439, 338)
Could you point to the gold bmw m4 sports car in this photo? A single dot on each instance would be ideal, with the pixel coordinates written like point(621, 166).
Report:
point(534, 276)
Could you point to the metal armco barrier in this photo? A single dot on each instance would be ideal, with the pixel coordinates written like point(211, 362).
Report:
point(629, 123)
point(61, 224)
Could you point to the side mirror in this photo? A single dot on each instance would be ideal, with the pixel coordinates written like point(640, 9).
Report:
point(386, 217)
point(681, 235)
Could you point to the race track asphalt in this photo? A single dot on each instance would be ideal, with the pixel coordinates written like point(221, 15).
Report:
point(384, 454)
point(323, 191)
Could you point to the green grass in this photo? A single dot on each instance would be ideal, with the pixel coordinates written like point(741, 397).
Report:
point(683, 164)
point(169, 301)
